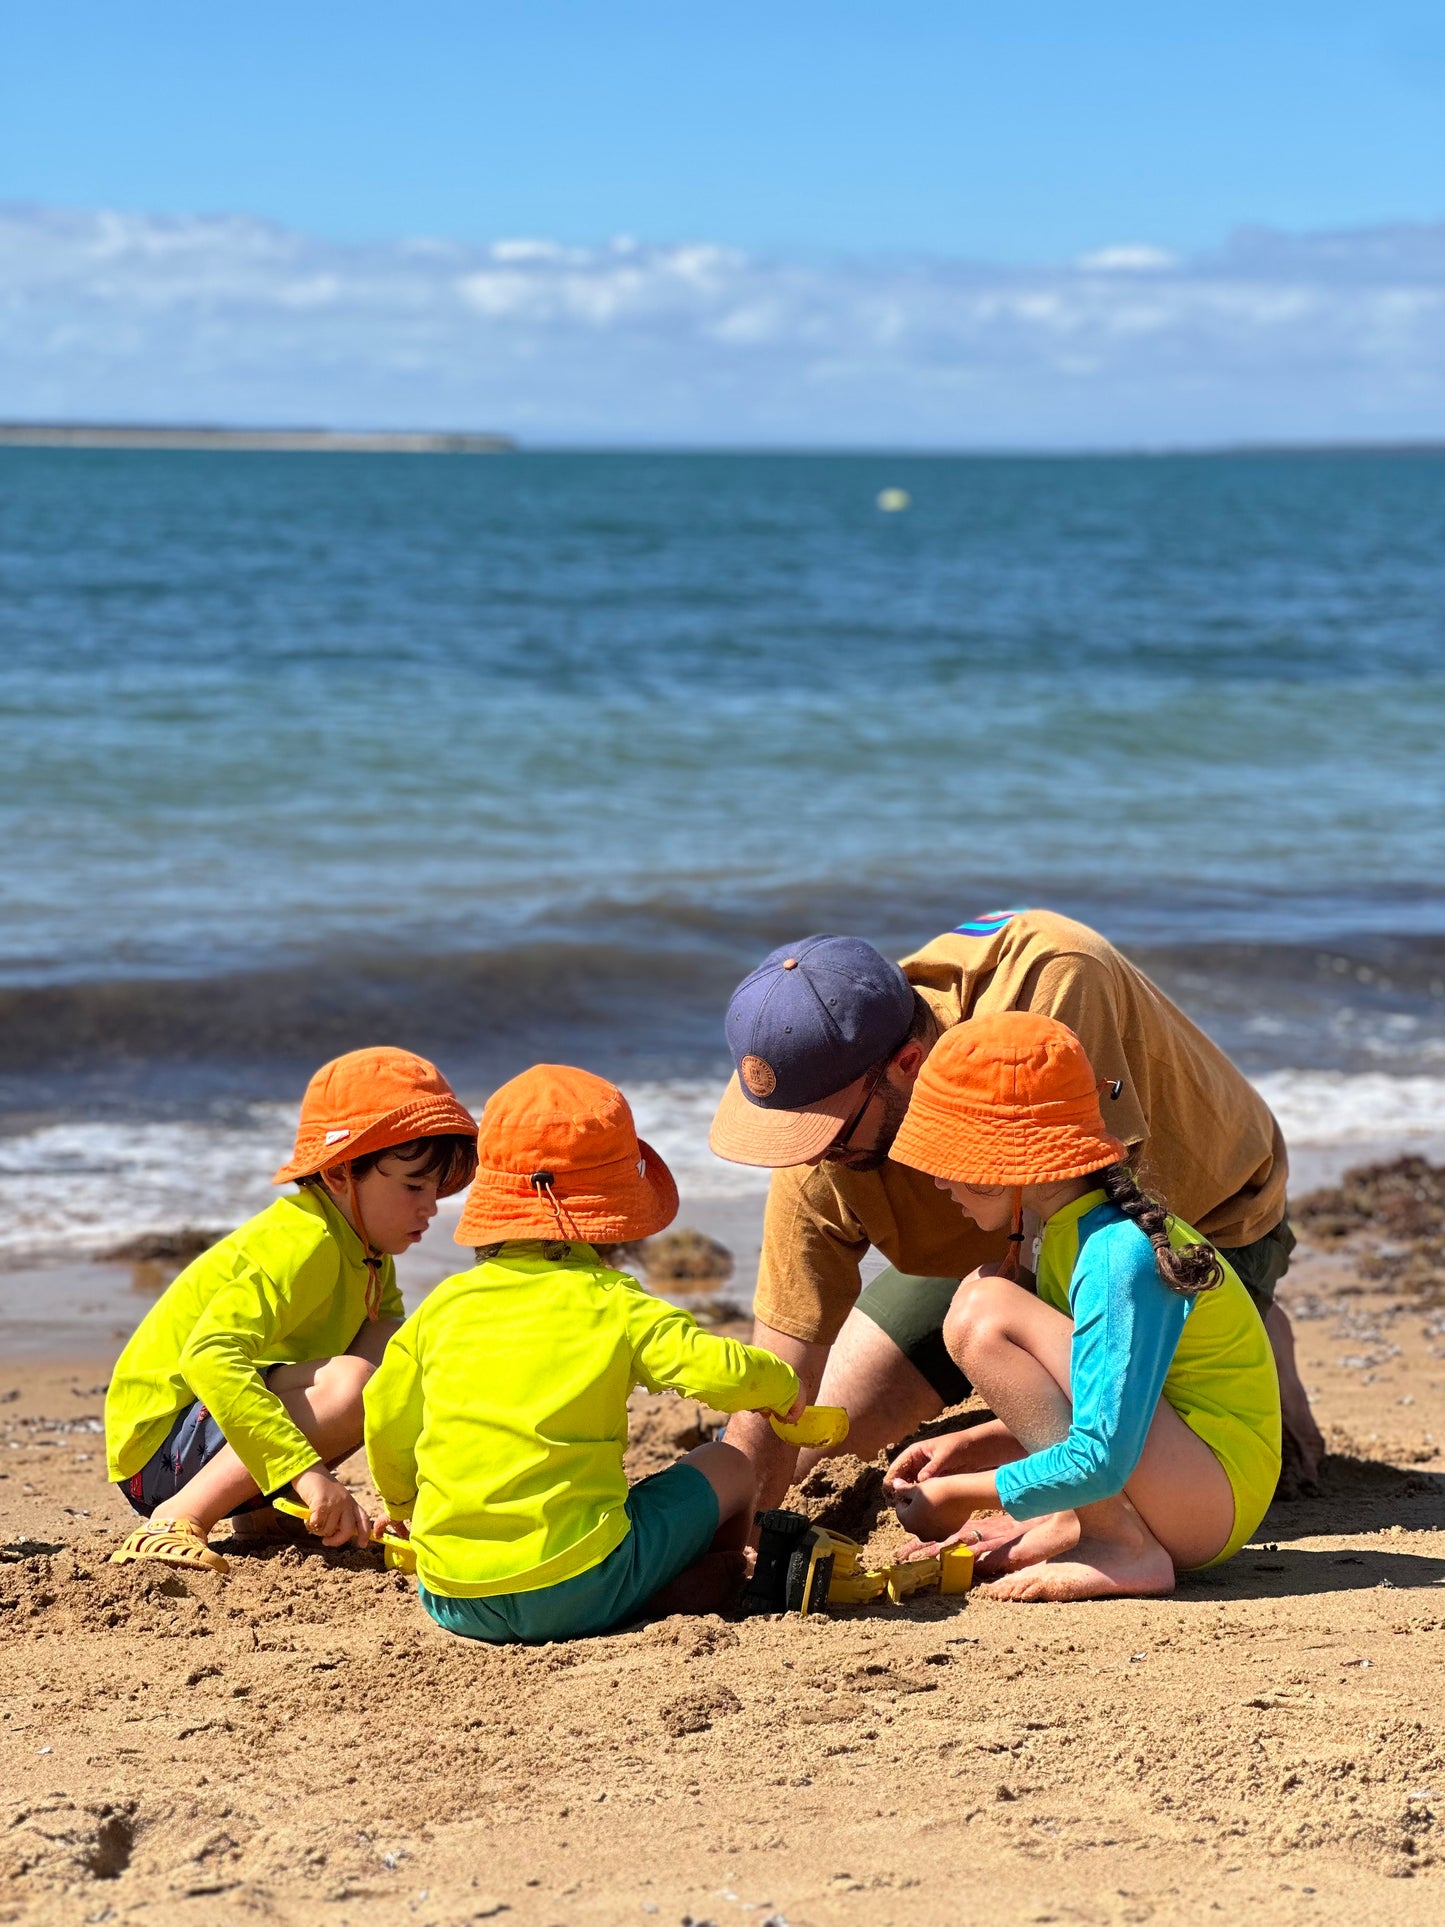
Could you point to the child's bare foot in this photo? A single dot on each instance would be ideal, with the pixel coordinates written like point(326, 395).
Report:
point(1010, 1545)
point(265, 1526)
point(1129, 1563)
point(713, 1584)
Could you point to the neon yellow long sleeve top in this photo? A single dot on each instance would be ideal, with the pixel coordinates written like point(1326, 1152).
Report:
point(498, 1418)
point(289, 1285)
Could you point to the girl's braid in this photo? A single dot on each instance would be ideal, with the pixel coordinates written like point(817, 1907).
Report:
point(1195, 1268)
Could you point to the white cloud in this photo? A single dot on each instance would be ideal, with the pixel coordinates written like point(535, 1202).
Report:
point(122, 316)
point(1127, 258)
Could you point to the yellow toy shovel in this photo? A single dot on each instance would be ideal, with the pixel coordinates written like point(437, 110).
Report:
point(399, 1554)
point(820, 1425)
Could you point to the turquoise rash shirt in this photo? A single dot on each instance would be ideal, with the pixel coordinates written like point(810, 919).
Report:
point(1127, 1327)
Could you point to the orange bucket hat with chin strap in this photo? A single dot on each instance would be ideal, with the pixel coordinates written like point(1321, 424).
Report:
point(1010, 1099)
point(368, 1101)
point(558, 1156)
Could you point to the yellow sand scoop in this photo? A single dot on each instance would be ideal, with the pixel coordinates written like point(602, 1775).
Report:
point(820, 1426)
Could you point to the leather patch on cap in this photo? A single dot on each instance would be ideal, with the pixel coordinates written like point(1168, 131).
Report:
point(759, 1076)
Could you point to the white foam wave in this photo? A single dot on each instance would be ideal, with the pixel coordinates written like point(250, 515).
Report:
point(85, 1185)
point(1339, 1107)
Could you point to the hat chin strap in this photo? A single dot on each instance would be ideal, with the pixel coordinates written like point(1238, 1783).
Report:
point(1013, 1258)
point(370, 1258)
point(542, 1181)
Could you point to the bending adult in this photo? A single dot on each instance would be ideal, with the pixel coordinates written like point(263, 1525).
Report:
point(828, 1038)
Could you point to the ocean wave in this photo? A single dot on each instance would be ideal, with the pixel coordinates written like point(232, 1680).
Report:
point(83, 1185)
point(640, 997)
point(1321, 1108)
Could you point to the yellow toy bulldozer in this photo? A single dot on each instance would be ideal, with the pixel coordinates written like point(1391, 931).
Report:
point(802, 1568)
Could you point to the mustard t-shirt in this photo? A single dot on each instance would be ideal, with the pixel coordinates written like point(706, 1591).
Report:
point(1207, 1142)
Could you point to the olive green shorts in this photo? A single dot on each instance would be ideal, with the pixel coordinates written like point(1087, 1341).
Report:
point(912, 1310)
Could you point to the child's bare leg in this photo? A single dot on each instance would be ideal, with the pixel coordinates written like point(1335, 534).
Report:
point(1035, 1412)
point(1178, 1509)
point(323, 1396)
point(711, 1584)
point(730, 1475)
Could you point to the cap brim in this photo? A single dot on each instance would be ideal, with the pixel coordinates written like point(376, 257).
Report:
point(746, 1133)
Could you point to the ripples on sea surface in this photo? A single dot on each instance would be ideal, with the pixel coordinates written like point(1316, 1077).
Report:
point(533, 755)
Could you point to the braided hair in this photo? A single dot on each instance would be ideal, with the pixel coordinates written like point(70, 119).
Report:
point(1189, 1271)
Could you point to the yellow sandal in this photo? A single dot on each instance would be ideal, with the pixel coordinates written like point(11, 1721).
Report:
point(175, 1542)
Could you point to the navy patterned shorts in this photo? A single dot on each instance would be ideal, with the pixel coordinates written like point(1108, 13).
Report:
point(192, 1442)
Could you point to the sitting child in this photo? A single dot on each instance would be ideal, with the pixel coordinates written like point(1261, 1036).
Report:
point(1138, 1416)
point(498, 1420)
point(246, 1375)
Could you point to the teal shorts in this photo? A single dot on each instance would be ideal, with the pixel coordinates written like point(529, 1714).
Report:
point(674, 1517)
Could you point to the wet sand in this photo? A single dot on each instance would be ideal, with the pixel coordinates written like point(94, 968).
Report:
point(296, 1742)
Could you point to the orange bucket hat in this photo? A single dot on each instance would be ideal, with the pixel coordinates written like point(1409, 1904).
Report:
point(558, 1156)
point(1010, 1099)
point(367, 1101)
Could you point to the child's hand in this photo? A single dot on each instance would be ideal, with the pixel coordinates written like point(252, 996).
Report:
point(934, 1509)
point(796, 1410)
point(336, 1518)
point(388, 1528)
point(910, 1502)
point(976, 1448)
point(928, 1459)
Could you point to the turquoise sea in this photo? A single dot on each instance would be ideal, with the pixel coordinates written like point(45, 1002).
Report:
point(533, 755)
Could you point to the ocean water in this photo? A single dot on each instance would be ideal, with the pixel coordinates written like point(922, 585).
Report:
point(532, 756)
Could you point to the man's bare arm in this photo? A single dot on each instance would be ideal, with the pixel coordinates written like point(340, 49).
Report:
point(774, 1462)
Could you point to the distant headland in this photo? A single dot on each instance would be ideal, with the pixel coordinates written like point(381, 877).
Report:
point(325, 441)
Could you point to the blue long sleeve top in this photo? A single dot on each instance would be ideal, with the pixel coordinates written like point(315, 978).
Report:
point(1127, 1327)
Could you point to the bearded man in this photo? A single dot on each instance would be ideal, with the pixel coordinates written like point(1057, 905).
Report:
point(828, 1037)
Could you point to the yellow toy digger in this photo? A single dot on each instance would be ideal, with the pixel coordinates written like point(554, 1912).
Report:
point(802, 1568)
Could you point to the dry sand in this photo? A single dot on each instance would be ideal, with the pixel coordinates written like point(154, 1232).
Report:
point(297, 1743)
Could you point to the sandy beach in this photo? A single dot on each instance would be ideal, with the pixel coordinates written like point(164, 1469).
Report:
point(296, 1742)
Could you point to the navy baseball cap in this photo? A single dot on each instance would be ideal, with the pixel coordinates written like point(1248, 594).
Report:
point(805, 1029)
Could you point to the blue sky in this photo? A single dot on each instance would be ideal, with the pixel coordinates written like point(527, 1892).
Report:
point(914, 166)
point(1009, 133)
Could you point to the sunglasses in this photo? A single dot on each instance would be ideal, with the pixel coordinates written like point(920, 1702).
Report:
point(845, 1136)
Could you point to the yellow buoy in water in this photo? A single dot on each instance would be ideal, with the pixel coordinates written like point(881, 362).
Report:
point(891, 500)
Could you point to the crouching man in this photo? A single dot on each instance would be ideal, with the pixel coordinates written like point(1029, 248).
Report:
point(828, 1038)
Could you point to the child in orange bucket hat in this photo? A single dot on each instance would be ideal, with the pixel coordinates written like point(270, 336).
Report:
point(246, 1376)
point(496, 1426)
point(1137, 1427)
